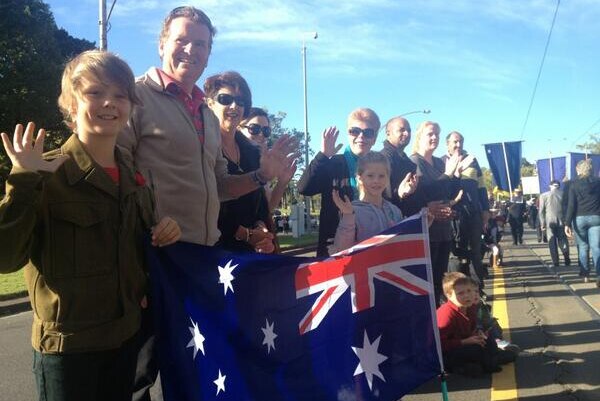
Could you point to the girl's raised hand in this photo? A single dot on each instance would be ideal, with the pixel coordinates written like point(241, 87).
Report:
point(344, 205)
point(26, 153)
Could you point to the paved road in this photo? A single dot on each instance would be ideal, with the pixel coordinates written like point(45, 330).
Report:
point(551, 316)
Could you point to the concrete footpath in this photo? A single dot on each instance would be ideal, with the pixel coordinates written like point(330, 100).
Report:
point(553, 323)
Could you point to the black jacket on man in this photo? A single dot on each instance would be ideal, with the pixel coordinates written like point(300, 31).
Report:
point(322, 175)
point(400, 165)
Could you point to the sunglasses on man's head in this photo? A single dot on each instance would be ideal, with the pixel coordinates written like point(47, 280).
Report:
point(255, 129)
point(367, 132)
point(226, 99)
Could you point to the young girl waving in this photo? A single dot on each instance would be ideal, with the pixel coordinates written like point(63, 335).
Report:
point(371, 214)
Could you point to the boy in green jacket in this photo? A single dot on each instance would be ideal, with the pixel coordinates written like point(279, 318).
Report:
point(75, 218)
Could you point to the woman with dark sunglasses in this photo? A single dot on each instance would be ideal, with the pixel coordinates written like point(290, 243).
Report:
point(242, 221)
point(257, 128)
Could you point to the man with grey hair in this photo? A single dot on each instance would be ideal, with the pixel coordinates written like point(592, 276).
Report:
point(176, 144)
point(551, 220)
point(473, 208)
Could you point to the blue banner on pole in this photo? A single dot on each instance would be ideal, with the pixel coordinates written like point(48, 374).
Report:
point(545, 175)
point(573, 158)
point(357, 325)
point(498, 163)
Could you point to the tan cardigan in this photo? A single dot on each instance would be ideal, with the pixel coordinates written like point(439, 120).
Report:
point(185, 174)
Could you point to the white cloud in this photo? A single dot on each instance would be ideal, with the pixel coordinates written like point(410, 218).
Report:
point(385, 33)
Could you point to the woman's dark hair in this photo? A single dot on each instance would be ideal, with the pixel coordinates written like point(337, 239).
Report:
point(256, 112)
point(234, 80)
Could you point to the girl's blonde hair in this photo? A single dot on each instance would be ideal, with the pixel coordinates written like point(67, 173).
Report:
point(373, 157)
point(96, 64)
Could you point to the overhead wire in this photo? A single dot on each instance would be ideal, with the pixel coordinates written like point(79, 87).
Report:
point(585, 132)
point(109, 14)
point(540, 70)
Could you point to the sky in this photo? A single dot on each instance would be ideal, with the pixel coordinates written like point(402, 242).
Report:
point(473, 63)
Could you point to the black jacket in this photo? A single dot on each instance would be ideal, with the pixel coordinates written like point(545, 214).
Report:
point(321, 176)
point(584, 198)
point(248, 209)
point(400, 165)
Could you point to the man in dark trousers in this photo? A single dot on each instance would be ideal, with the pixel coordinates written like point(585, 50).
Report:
point(551, 220)
point(329, 170)
point(516, 216)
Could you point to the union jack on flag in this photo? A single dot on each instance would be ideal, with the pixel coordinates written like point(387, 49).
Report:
point(382, 257)
point(357, 325)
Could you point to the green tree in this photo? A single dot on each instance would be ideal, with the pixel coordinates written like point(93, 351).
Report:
point(488, 178)
point(291, 195)
point(33, 51)
point(527, 169)
point(593, 145)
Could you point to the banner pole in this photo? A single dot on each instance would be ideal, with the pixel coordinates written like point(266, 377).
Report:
point(551, 167)
point(507, 171)
point(444, 387)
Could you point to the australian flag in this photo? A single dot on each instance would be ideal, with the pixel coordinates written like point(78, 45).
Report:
point(359, 325)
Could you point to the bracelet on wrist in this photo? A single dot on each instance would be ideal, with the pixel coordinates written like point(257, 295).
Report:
point(257, 179)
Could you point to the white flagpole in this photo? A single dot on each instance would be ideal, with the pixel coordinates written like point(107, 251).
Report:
point(507, 170)
point(551, 167)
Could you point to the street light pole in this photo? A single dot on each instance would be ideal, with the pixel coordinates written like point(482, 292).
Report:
point(426, 111)
point(306, 136)
point(102, 23)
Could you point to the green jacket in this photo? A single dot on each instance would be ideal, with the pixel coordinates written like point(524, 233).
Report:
point(79, 237)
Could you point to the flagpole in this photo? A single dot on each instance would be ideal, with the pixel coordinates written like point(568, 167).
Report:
point(444, 387)
point(507, 170)
point(551, 168)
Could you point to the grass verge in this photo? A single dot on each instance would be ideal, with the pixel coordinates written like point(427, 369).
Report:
point(12, 285)
point(287, 241)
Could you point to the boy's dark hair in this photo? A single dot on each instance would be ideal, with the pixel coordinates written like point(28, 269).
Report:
point(453, 279)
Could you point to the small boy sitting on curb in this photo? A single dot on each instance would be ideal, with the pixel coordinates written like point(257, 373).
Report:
point(466, 350)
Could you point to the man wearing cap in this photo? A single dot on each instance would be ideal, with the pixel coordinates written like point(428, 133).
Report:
point(551, 220)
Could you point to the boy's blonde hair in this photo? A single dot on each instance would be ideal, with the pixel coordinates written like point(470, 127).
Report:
point(97, 64)
point(373, 157)
point(453, 279)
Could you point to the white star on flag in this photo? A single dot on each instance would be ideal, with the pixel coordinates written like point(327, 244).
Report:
point(225, 276)
point(197, 340)
point(220, 382)
point(270, 335)
point(369, 360)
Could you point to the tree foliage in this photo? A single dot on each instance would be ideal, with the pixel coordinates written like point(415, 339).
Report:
point(33, 52)
point(527, 169)
point(592, 146)
point(291, 196)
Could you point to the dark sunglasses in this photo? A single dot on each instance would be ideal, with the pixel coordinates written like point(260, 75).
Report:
point(255, 129)
point(226, 99)
point(367, 132)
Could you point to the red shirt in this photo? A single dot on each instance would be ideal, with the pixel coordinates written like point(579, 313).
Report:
point(192, 103)
point(113, 173)
point(454, 325)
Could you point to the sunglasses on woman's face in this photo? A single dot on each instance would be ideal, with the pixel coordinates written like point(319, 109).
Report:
point(367, 132)
point(255, 129)
point(226, 99)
